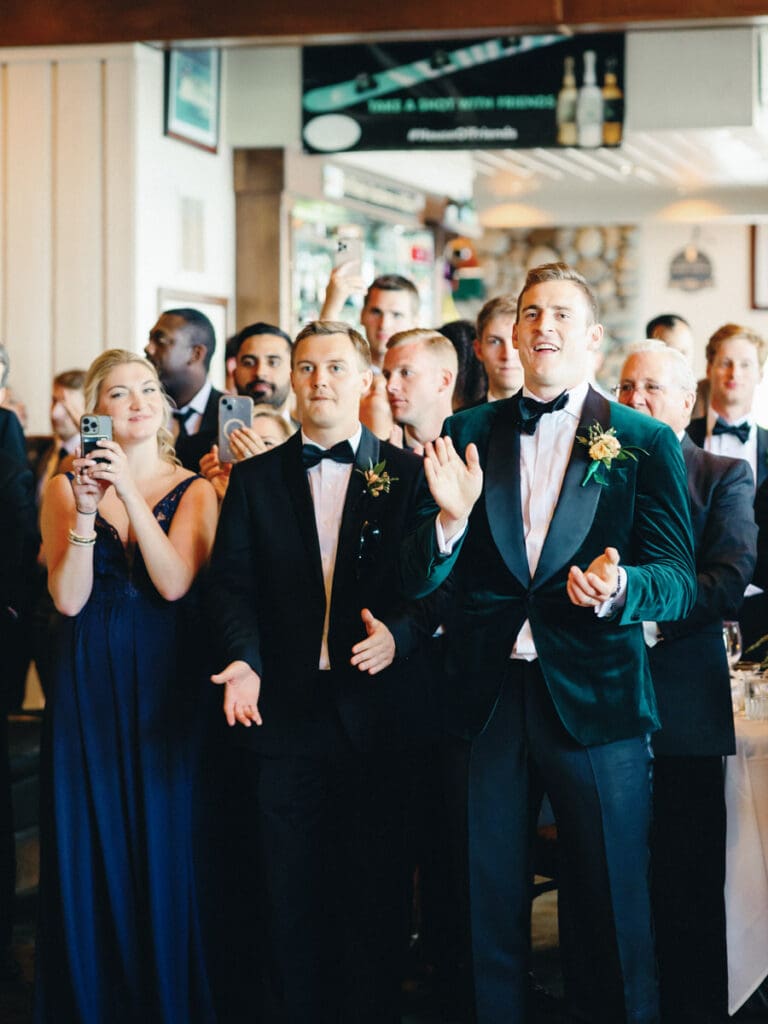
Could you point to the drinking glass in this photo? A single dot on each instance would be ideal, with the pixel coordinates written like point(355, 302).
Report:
point(732, 641)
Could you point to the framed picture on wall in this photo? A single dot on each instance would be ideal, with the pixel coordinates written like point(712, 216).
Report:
point(192, 96)
point(760, 266)
point(216, 308)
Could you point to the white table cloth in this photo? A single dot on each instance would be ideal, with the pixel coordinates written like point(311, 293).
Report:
point(746, 875)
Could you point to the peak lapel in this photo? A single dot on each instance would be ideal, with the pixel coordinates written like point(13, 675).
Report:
point(576, 505)
point(502, 494)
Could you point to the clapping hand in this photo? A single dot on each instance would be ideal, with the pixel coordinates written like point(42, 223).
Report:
point(597, 584)
point(454, 484)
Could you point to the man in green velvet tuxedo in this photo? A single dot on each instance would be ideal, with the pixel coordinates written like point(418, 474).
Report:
point(566, 528)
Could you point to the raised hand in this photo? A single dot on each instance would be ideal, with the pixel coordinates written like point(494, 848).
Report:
point(597, 584)
point(454, 484)
point(377, 651)
point(245, 443)
point(242, 687)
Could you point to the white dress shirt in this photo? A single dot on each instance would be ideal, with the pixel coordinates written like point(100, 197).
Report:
point(328, 482)
point(197, 404)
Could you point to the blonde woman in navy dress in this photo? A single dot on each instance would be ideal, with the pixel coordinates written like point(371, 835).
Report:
point(118, 937)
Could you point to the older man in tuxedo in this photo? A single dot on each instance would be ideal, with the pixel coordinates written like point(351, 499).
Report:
point(567, 528)
point(692, 683)
point(307, 602)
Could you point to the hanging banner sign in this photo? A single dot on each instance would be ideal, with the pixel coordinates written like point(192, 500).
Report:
point(505, 92)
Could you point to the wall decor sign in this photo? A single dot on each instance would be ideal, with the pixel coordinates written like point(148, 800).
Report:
point(502, 92)
point(192, 96)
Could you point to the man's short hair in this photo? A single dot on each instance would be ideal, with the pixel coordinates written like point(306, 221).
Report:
point(728, 331)
point(5, 366)
point(682, 371)
point(72, 380)
point(665, 321)
point(199, 330)
point(326, 327)
point(558, 272)
point(257, 328)
point(501, 305)
point(434, 342)
point(395, 283)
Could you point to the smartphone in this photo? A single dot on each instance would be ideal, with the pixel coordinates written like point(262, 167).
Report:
point(235, 411)
point(94, 430)
point(348, 249)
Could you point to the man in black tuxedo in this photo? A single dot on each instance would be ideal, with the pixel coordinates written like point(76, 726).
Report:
point(181, 345)
point(305, 596)
point(547, 683)
point(735, 360)
point(692, 683)
point(11, 433)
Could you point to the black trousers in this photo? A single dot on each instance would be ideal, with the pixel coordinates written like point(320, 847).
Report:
point(601, 800)
point(687, 887)
point(331, 865)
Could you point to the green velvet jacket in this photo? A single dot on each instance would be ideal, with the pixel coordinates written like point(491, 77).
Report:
point(596, 669)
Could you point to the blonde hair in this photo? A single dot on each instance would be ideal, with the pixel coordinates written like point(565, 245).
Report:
point(728, 331)
point(273, 417)
point(326, 327)
point(98, 372)
point(433, 342)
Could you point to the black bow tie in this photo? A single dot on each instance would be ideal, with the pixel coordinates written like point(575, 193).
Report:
point(341, 452)
point(529, 411)
point(741, 430)
point(181, 418)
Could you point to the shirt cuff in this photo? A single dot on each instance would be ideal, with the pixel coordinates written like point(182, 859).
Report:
point(445, 547)
point(617, 599)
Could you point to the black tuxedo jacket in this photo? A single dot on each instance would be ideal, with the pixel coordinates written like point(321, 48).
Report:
point(191, 449)
point(689, 666)
point(12, 436)
point(267, 596)
point(697, 431)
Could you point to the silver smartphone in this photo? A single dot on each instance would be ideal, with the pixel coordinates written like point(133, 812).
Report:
point(348, 250)
point(235, 412)
point(93, 430)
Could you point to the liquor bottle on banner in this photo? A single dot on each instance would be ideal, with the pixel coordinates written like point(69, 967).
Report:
point(613, 106)
point(589, 106)
point(565, 115)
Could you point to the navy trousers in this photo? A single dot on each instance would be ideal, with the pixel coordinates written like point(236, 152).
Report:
point(601, 800)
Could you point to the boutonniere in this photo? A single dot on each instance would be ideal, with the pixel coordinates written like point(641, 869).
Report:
point(603, 447)
point(377, 480)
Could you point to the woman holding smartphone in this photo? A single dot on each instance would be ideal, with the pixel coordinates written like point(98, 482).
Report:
point(125, 536)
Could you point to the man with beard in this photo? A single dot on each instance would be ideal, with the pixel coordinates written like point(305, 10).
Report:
point(263, 367)
point(180, 347)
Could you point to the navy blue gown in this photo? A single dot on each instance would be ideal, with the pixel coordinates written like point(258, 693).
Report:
point(118, 934)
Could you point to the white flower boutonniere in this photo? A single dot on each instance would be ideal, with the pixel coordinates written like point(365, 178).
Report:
point(603, 447)
point(377, 480)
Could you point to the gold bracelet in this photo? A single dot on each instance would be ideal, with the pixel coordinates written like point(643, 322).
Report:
point(80, 541)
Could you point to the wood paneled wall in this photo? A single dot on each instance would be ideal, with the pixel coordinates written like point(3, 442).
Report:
point(66, 277)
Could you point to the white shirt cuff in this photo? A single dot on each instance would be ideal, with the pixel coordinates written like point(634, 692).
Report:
point(445, 547)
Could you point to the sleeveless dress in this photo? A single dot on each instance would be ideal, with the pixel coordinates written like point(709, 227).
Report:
point(118, 934)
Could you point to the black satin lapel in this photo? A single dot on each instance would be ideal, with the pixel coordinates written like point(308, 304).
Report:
point(301, 498)
point(357, 504)
point(502, 497)
point(576, 505)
